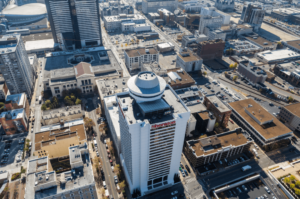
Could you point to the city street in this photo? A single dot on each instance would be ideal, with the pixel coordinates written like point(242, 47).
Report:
point(109, 175)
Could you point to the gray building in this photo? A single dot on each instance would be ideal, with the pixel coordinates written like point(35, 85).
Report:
point(15, 66)
point(107, 9)
point(253, 15)
point(251, 72)
point(188, 60)
point(211, 22)
point(225, 5)
point(75, 23)
point(290, 116)
point(154, 5)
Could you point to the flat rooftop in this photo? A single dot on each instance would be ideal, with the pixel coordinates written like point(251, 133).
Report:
point(37, 36)
point(182, 77)
point(13, 114)
point(189, 56)
point(278, 54)
point(192, 98)
point(294, 43)
point(268, 131)
point(112, 86)
point(60, 65)
point(52, 140)
point(16, 98)
point(294, 108)
point(261, 41)
point(215, 143)
point(66, 111)
point(217, 103)
point(134, 113)
point(140, 51)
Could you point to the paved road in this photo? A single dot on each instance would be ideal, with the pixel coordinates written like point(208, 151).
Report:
point(102, 152)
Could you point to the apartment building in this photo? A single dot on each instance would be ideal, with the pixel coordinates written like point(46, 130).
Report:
point(217, 147)
point(134, 58)
point(15, 66)
point(152, 123)
point(225, 5)
point(210, 21)
point(75, 24)
point(290, 115)
point(218, 108)
point(253, 15)
point(114, 23)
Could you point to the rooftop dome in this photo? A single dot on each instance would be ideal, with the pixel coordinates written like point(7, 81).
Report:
point(146, 84)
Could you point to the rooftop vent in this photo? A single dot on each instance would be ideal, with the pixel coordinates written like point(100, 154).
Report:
point(250, 105)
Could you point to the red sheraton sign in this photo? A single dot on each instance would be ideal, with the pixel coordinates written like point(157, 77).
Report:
point(162, 124)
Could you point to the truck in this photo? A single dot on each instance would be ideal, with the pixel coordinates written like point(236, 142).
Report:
point(40, 99)
point(245, 168)
point(106, 193)
point(95, 142)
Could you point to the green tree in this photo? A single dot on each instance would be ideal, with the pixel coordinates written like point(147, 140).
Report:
point(1, 106)
point(78, 101)
point(44, 107)
point(47, 103)
point(235, 78)
point(217, 125)
point(292, 178)
point(117, 169)
point(298, 184)
point(279, 45)
point(290, 99)
point(204, 73)
point(286, 180)
point(65, 93)
point(292, 186)
point(88, 123)
point(297, 191)
point(73, 98)
point(122, 185)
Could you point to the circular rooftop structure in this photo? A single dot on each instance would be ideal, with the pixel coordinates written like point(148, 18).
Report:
point(146, 85)
point(26, 13)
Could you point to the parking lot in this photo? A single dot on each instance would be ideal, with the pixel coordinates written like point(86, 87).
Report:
point(11, 151)
point(252, 190)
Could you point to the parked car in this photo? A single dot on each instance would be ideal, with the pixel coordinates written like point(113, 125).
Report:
point(174, 193)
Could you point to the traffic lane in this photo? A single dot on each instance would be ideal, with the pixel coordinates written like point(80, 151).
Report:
point(270, 184)
point(166, 193)
point(184, 163)
point(105, 161)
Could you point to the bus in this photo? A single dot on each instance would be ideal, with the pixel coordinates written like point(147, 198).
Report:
point(245, 168)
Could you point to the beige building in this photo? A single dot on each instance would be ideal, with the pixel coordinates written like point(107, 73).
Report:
point(61, 114)
point(65, 71)
point(290, 115)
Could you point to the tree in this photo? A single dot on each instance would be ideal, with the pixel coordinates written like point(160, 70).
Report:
point(88, 123)
point(286, 180)
point(279, 45)
point(122, 185)
point(292, 178)
point(235, 78)
point(43, 107)
point(290, 99)
point(297, 191)
point(117, 169)
point(78, 101)
point(204, 73)
point(65, 93)
point(235, 64)
point(217, 125)
point(292, 186)
point(111, 147)
point(298, 184)
point(47, 103)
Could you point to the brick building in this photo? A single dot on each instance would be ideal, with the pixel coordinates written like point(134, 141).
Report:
point(218, 108)
point(14, 121)
point(179, 78)
point(209, 50)
point(17, 101)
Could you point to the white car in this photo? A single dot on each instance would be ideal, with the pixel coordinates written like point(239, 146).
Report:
point(174, 193)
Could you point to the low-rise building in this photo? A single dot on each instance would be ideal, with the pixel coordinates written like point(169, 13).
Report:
point(225, 5)
point(293, 44)
point(244, 47)
point(165, 47)
point(288, 72)
point(188, 61)
point(179, 78)
point(63, 158)
point(134, 58)
point(218, 108)
point(17, 101)
point(277, 56)
point(262, 43)
point(191, 21)
point(110, 9)
point(61, 114)
point(264, 128)
point(205, 121)
point(113, 23)
point(137, 28)
point(252, 73)
point(217, 147)
point(14, 121)
point(212, 11)
point(290, 115)
point(214, 33)
point(79, 70)
point(188, 39)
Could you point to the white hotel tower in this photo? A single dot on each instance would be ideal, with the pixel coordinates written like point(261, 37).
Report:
point(152, 124)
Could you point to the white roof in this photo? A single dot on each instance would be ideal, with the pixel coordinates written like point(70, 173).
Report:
point(278, 54)
point(27, 9)
point(165, 45)
point(39, 45)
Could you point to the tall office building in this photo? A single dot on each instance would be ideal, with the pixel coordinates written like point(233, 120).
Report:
point(151, 120)
point(75, 23)
point(15, 66)
point(253, 15)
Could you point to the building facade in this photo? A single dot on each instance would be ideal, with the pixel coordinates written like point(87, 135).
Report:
point(188, 61)
point(251, 72)
point(253, 15)
point(154, 5)
point(209, 50)
point(289, 114)
point(15, 66)
point(14, 121)
point(210, 21)
point(75, 23)
point(225, 5)
point(150, 148)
